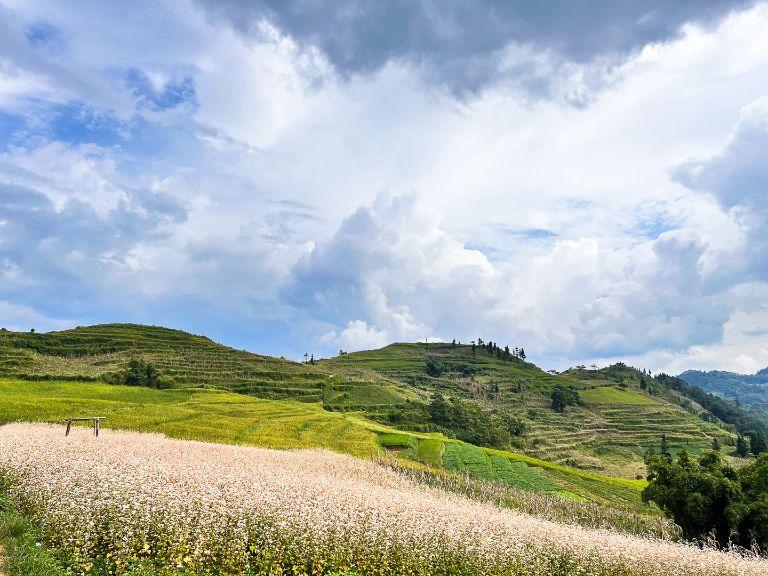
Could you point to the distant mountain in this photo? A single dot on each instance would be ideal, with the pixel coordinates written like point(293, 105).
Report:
point(748, 389)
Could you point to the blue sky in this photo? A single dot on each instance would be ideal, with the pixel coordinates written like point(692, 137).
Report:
point(586, 180)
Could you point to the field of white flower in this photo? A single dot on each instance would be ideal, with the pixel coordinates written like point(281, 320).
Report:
point(215, 509)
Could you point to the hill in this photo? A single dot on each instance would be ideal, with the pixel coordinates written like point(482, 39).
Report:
point(497, 399)
point(747, 389)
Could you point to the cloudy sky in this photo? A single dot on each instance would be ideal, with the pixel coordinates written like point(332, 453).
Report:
point(588, 180)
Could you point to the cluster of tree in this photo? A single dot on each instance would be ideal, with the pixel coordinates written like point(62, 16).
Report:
point(435, 367)
point(747, 425)
point(310, 358)
point(471, 423)
point(563, 396)
point(493, 349)
point(707, 497)
point(139, 373)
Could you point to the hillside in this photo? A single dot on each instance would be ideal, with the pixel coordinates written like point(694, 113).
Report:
point(619, 417)
point(748, 389)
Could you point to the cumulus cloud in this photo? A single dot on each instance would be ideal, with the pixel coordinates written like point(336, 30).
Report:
point(392, 270)
point(738, 178)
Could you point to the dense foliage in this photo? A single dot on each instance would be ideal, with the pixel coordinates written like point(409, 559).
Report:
point(139, 373)
point(563, 396)
point(471, 423)
point(746, 423)
point(708, 497)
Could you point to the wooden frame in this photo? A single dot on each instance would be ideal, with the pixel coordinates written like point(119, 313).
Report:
point(95, 419)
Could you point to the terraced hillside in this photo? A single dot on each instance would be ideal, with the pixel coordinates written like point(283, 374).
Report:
point(91, 353)
point(609, 432)
point(617, 421)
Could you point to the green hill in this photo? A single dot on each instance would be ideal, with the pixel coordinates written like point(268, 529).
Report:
point(748, 389)
point(621, 412)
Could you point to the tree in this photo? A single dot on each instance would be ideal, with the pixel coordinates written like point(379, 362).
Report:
point(438, 409)
point(311, 358)
point(757, 443)
point(715, 444)
point(664, 448)
point(522, 353)
point(709, 497)
point(141, 373)
point(563, 396)
point(434, 367)
point(742, 446)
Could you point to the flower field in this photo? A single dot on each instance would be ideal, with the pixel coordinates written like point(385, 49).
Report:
point(128, 498)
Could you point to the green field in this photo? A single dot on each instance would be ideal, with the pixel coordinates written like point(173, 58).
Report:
point(611, 395)
point(193, 414)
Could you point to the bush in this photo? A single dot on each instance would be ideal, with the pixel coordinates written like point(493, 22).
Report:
point(138, 373)
point(435, 368)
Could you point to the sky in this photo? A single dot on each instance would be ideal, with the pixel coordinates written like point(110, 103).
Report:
point(586, 180)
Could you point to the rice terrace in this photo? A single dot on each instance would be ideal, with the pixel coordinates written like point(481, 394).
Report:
point(383, 288)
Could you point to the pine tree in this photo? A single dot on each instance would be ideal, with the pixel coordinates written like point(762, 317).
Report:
point(715, 444)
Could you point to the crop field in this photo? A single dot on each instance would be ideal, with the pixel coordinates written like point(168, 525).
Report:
point(206, 508)
point(194, 413)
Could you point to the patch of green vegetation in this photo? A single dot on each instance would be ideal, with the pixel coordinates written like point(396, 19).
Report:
point(478, 463)
point(396, 440)
point(23, 554)
point(430, 452)
point(611, 395)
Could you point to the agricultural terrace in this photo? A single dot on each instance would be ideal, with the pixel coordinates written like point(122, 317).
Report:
point(206, 508)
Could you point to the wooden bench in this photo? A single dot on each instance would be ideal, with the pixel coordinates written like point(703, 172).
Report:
point(95, 419)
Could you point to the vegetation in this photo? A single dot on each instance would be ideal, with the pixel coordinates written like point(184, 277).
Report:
point(203, 509)
point(563, 396)
point(709, 498)
point(745, 389)
point(23, 554)
point(471, 423)
point(747, 424)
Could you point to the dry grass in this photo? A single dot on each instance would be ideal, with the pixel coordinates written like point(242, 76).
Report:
point(235, 510)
